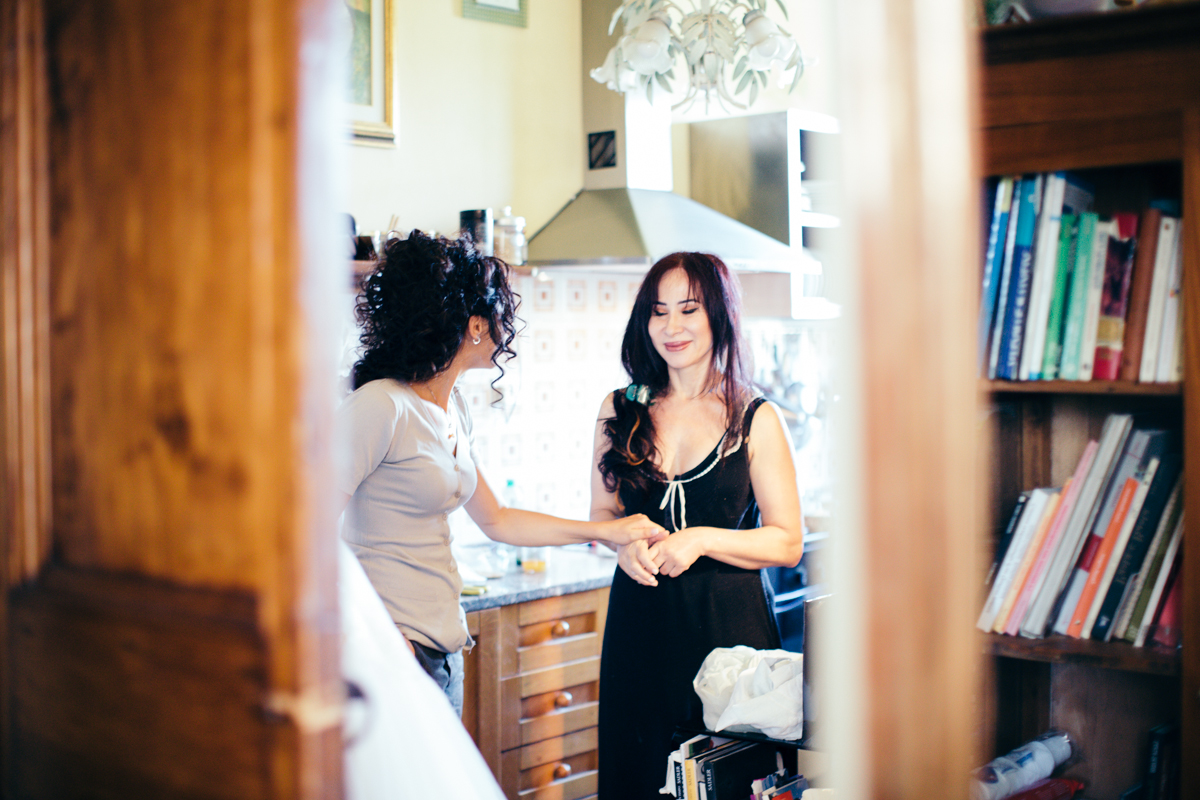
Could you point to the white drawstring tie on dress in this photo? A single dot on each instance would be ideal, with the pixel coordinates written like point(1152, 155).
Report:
point(675, 489)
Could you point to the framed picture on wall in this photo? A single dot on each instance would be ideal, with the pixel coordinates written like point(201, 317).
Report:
point(369, 85)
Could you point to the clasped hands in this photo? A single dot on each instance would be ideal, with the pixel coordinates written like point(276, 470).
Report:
point(671, 556)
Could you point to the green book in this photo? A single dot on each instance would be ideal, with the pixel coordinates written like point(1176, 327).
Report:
point(1076, 303)
point(1067, 237)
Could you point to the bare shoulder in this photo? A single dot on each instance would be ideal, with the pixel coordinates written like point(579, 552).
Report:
point(607, 408)
point(768, 429)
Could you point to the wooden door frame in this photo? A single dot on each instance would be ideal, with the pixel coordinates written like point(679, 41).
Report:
point(255, 649)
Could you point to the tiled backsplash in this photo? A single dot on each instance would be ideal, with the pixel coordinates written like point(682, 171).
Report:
point(540, 433)
point(539, 430)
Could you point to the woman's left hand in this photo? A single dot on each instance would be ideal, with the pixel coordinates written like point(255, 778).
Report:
point(677, 552)
point(633, 528)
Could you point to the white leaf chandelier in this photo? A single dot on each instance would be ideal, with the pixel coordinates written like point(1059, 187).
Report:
point(723, 43)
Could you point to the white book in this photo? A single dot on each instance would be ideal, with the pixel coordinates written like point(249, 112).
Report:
point(1112, 442)
point(1177, 368)
point(1170, 320)
point(1167, 232)
point(1159, 584)
point(1114, 558)
point(1031, 515)
point(1041, 285)
point(1091, 317)
point(1134, 589)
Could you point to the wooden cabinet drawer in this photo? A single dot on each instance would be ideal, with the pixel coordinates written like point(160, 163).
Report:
point(532, 681)
point(561, 710)
point(562, 768)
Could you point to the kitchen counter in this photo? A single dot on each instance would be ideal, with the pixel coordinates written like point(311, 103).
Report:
point(569, 569)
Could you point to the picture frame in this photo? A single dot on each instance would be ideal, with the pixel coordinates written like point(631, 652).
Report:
point(369, 83)
point(506, 12)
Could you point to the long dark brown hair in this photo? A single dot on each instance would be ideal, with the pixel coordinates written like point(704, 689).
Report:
point(628, 465)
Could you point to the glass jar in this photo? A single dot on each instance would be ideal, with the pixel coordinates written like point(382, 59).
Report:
point(510, 244)
point(533, 559)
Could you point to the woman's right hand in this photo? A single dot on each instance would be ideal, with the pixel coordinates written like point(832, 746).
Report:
point(634, 528)
point(635, 559)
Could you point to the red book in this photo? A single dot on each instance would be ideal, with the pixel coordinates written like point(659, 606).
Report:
point(1166, 627)
point(1114, 301)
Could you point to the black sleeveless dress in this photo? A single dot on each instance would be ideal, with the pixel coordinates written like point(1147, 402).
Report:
point(656, 637)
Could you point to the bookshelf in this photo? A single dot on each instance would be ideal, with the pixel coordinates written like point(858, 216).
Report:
point(1117, 92)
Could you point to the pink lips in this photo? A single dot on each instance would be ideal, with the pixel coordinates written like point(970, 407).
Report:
point(675, 346)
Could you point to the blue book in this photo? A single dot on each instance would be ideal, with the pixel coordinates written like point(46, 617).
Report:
point(1002, 292)
point(1009, 364)
point(993, 265)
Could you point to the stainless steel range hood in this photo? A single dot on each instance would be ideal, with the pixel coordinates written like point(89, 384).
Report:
point(633, 228)
point(626, 215)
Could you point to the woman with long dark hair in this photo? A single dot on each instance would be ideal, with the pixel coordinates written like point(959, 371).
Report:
point(432, 309)
point(691, 445)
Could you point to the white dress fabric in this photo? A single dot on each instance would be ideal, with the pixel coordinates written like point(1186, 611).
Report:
point(407, 465)
point(408, 741)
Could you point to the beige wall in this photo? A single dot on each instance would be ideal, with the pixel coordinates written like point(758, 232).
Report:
point(485, 115)
point(490, 115)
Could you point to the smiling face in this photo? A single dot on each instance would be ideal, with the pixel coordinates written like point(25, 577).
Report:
point(679, 325)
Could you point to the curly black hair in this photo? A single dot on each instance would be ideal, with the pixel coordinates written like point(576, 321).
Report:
point(415, 305)
point(628, 466)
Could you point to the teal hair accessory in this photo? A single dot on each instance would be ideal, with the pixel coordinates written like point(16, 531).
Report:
point(638, 393)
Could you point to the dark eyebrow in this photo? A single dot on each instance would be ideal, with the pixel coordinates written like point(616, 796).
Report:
point(681, 302)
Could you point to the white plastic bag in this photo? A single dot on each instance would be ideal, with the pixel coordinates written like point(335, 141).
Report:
point(750, 690)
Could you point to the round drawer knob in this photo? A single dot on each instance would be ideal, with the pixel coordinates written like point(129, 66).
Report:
point(563, 699)
point(562, 771)
point(560, 628)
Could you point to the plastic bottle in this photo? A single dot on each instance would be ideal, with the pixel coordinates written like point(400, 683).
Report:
point(1022, 767)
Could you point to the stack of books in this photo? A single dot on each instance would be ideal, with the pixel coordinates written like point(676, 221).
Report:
point(709, 767)
point(1069, 295)
point(1097, 558)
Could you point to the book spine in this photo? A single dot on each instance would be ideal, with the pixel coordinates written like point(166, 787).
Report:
point(997, 234)
point(1006, 270)
point(1139, 294)
point(1009, 367)
point(1153, 508)
point(1006, 538)
point(1024, 553)
point(1107, 543)
point(1164, 573)
point(1068, 236)
point(1095, 293)
point(1112, 441)
point(1118, 273)
point(1118, 551)
point(1155, 303)
point(1143, 581)
point(1077, 302)
point(1169, 339)
point(1041, 520)
point(1045, 260)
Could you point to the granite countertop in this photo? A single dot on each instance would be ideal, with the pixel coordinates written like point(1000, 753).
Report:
point(569, 569)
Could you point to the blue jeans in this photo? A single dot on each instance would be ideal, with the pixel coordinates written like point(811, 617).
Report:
point(446, 669)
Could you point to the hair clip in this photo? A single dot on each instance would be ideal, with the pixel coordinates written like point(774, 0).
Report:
point(639, 393)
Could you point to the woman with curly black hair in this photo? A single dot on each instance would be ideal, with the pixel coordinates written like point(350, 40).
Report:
point(689, 444)
point(432, 309)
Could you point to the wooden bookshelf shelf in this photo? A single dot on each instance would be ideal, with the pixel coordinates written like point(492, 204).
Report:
point(1065, 650)
point(1115, 388)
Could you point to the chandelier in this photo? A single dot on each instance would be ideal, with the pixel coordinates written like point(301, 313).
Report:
point(723, 44)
